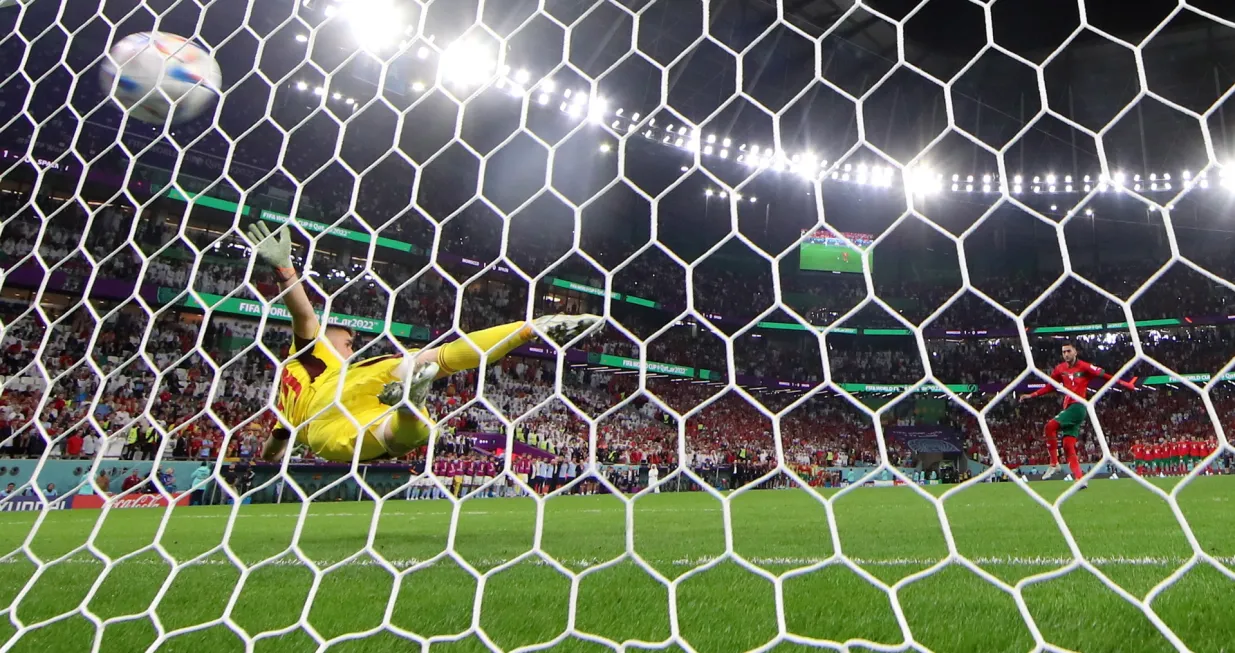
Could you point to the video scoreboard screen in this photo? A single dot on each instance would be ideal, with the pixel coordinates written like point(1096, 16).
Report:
point(822, 250)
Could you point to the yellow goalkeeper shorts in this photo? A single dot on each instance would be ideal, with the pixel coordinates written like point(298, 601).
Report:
point(331, 435)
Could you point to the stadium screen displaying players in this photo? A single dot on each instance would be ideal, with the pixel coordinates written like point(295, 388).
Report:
point(822, 250)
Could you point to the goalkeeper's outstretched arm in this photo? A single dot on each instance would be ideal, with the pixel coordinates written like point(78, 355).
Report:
point(274, 250)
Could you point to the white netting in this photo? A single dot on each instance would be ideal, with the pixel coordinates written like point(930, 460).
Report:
point(435, 172)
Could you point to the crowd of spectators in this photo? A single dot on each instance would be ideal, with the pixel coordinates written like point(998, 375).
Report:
point(184, 388)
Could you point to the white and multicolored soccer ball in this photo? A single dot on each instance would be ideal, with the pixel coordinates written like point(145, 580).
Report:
point(154, 73)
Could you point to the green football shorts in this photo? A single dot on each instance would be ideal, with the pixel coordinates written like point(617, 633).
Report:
point(1071, 419)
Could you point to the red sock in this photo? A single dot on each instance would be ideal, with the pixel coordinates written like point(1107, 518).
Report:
point(1069, 448)
point(1052, 441)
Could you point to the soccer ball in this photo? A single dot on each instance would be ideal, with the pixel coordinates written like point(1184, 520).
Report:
point(154, 73)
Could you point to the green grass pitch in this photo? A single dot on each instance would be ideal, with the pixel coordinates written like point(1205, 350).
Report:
point(1128, 532)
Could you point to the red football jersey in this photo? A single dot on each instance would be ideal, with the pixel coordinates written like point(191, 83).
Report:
point(1076, 378)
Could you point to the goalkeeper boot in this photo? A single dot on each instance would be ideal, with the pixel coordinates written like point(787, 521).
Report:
point(563, 328)
point(1050, 472)
point(419, 384)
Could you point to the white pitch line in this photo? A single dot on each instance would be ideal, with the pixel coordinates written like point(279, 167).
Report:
point(1014, 561)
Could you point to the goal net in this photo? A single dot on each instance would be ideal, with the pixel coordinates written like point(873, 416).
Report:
point(856, 263)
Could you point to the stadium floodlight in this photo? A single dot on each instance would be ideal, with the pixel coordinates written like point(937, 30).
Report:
point(754, 149)
point(349, 101)
point(986, 179)
point(727, 142)
point(543, 99)
point(319, 90)
point(711, 138)
point(1187, 174)
point(707, 192)
point(1050, 179)
point(302, 38)
point(1067, 179)
point(956, 177)
point(1153, 176)
point(679, 142)
point(723, 194)
point(522, 76)
point(724, 154)
point(1120, 177)
point(604, 147)
point(1018, 179)
point(597, 109)
point(336, 96)
point(466, 64)
point(418, 86)
point(375, 24)
point(754, 199)
point(707, 150)
point(330, 11)
point(1089, 212)
point(302, 85)
point(422, 52)
point(1166, 177)
point(1018, 189)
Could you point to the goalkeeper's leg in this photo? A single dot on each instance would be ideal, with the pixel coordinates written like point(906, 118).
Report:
point(493, 344)
point(410, 425)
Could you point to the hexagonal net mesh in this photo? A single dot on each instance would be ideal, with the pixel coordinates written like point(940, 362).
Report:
point(723, 190)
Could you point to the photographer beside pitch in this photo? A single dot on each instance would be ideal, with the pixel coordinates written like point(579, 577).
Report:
point(318, 372)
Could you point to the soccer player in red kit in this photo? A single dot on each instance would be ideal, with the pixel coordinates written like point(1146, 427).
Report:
point(1073, 374)
point(1138, 456)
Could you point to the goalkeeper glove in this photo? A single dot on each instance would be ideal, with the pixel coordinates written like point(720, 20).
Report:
point(274, 250)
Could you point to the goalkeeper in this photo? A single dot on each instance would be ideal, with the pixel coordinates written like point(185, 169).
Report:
point(317, 381)
point(1074, 374)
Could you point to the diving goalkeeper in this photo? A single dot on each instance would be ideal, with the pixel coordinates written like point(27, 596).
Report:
point(317, 381)
point(1075, 375)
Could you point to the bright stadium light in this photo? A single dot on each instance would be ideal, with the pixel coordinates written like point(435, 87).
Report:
point(418, 86)
point(466, 64)
point(522, 76)
point(596, 110)
point(543, 99)
point(337, 96)
point(707, 192)
point(302, 85)
point(319, 90)
point(423, 52)
point(604, 147)
point(376, 24)
point(302, 38)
